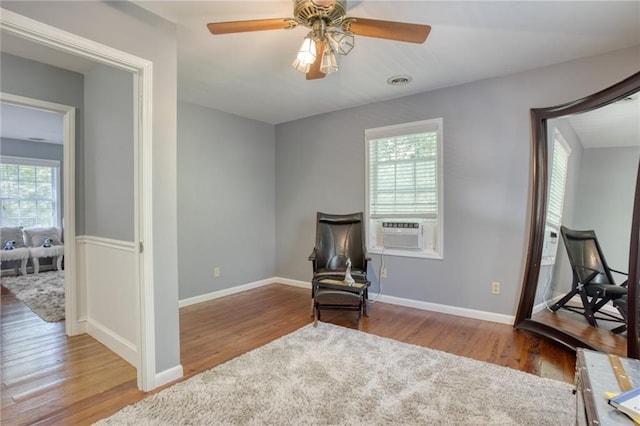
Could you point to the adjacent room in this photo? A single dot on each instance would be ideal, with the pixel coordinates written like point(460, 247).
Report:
point(331, 211)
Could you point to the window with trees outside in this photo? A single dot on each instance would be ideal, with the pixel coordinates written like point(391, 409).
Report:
point(404, 189)
point(29, 192)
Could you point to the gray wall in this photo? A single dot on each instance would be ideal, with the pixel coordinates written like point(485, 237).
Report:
point(19, 76)
point(108, 153)
point(226, 195)
point(605, 199)
point(127, 27)
point(487, 151)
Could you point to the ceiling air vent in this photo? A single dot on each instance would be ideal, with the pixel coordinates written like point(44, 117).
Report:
point(399, 80)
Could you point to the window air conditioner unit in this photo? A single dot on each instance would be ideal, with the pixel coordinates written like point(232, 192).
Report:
point(402, 235)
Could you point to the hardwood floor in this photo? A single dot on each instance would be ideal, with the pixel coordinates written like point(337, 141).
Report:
point(48, 378)
point(576, 324)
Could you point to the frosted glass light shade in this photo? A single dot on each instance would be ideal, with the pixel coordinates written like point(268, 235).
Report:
point(302, 67)
point(307, 53)
point(329, 63)
point(341, 42)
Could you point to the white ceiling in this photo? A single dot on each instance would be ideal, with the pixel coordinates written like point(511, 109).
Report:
point(22, 123)
point(614, 125)
point(250, 74)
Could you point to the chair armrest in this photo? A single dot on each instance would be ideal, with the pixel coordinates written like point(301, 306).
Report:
point(618, 272)
point(312, 256)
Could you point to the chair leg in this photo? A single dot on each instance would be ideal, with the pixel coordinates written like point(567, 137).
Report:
point(588, 312)
point(316, 314)
point(312, 307)
point(560, 303)
point(36, 264)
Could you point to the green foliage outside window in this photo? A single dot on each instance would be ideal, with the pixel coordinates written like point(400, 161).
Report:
point(28, 195)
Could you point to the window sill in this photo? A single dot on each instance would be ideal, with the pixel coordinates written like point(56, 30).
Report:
point(421, 254)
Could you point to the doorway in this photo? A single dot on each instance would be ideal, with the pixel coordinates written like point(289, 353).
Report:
point(15, 25)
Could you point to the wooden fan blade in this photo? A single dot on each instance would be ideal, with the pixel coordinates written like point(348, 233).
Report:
point(400, 31)
point(247, 26)
point(314, 70)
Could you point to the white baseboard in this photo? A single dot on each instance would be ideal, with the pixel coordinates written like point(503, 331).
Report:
point(81, 326)
point(168, 375)
point(445, 309)
point(225, 292)
point(294, 283)
point(418, 304)
point(575, 300)
point(114, 342)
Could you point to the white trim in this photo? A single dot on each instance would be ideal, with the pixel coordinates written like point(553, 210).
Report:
point(294, 283)
point(69, 201)
point(28, 161)
point(418, 304)
point(50, 36)
point(124, 348)
point(169, 375)
point(225, 292)
point(127, 246)
point(446, 309)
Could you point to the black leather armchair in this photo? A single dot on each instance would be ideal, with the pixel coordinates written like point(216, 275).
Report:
point(339, 238)
point(592, 279)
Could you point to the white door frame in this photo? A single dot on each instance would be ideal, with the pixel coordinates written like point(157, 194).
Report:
point(142, 71)
point(69, 203)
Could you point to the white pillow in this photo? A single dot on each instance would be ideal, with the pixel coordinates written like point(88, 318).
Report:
point(35, 236)
point(12, 234)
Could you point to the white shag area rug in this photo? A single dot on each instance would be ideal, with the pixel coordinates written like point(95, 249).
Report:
point(332, 375)
point(43, 293)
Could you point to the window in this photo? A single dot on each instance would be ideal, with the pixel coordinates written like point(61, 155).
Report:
point(29, 192)
point(404, 189)
point(560, 152)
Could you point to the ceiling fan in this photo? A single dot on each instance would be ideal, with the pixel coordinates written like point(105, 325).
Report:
point(332, 32)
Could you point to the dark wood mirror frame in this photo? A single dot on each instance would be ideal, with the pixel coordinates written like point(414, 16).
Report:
point(539, 117)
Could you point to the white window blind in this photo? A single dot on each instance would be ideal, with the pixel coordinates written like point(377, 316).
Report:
point(559, 164)
point(29, 192)
point(404, 183)
point(403, 175)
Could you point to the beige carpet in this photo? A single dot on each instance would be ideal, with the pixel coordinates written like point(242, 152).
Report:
point(43, 293)
point(332, 375)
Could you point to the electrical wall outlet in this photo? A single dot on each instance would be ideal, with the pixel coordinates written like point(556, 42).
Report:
point(383, 274)
point(495, 287)
point(216, 272)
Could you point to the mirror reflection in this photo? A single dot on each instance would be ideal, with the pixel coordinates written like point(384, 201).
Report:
point(593, 162)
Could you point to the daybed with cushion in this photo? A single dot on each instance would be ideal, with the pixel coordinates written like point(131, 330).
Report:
point(13, 249)
point(19, 245)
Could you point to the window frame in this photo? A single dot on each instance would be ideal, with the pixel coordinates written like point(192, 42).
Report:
point(41, 162)
point(550, 245)
point(398, 130)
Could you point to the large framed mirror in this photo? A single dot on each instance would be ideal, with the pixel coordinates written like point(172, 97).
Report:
point(580, 182)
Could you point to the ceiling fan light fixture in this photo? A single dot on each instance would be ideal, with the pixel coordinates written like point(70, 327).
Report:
point(300, 66)
point(307, 53)
point(329, 63)
point(341, 42)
